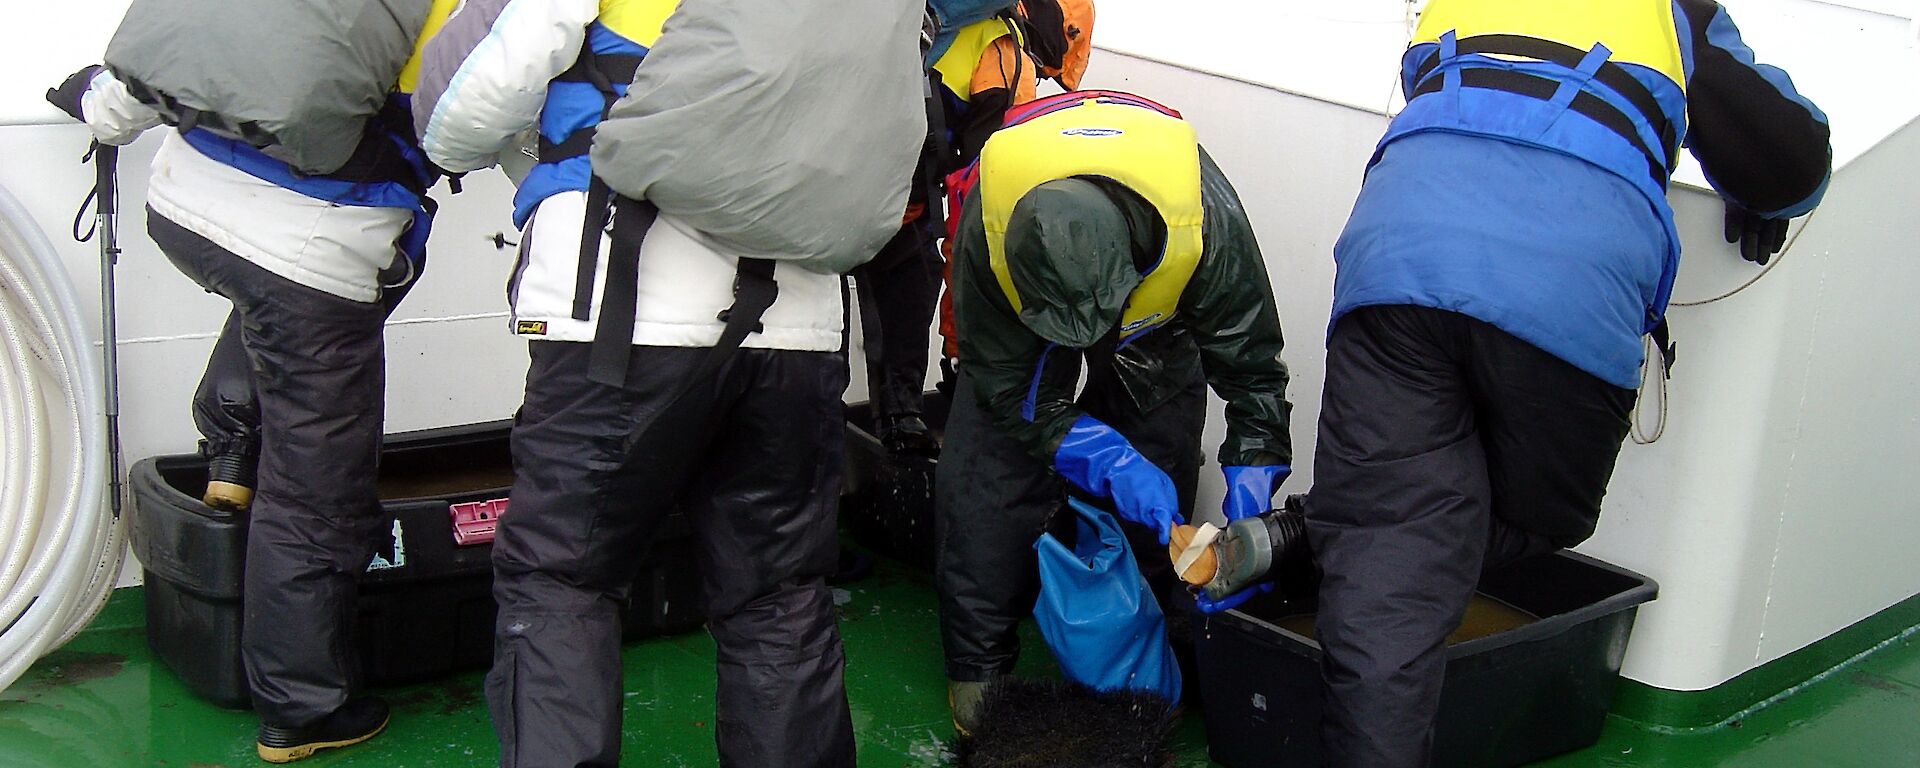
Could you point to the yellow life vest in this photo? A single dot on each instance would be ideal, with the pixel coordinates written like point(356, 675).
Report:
point(637, 20)
point(1154, 154)
point(436, 18)
point(970, 43)
point(1634, 31)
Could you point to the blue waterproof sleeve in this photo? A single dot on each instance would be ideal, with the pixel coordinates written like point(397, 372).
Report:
point(1250, 489)
point(1100, 461)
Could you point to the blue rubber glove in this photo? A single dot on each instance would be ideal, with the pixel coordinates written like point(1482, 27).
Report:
point(1210, 606)
point(1100, 461)
point(1250, 489)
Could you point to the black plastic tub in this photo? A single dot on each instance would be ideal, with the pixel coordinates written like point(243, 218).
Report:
point(1510, 698)
point(426, 605)
point(888, 504)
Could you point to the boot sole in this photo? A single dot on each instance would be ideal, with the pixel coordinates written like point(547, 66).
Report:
point(303, 751)
point(227, 496)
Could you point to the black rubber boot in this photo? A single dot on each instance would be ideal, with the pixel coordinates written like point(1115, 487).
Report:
point(230, 475)
point(963, 701)
point(908, 435)
point(1260, 548)
point(354, 722)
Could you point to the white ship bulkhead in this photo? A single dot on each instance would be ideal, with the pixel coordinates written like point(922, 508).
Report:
point(1777, 508)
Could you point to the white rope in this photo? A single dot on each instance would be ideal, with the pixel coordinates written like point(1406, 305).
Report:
point(1777, 258)
point(1652, 358)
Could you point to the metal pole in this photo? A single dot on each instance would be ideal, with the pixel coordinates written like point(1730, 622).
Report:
point(106, 163)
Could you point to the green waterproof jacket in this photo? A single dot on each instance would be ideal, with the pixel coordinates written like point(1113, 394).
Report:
point(1226, 312)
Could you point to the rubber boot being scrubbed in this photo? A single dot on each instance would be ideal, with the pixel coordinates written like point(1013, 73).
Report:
point(1057, 724)
point(1243, 554)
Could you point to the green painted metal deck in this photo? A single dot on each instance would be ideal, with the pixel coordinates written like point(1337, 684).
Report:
point(104, 702)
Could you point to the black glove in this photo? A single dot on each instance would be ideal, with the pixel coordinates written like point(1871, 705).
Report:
point(67, 95)
point(1759, 237)
point(948, 378)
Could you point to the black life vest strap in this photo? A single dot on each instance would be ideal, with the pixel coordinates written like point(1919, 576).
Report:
point(602, 70)
point(599, 211)
point(754, 291)
point(186, 118)
point(1669, 352)
point(576, 145)
point(613, 334)
point(1610, 74)
point(375, 159)
point(378, 157)
point(936, 155)
point(1592, 107)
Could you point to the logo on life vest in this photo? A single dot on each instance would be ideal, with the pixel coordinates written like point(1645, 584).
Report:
point(1141, 323)
point(1092, 132)
point(532, 327)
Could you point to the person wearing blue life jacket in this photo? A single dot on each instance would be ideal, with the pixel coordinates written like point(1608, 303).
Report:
point(1510, 247)
point(293, 399)
point(1098, 231)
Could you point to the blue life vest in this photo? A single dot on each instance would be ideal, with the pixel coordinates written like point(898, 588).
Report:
point(577, 100)
point(1601, 82)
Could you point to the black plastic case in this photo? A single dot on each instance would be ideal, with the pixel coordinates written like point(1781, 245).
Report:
point(426, 605)
point(1510, 698)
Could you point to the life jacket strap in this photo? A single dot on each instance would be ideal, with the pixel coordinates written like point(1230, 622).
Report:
point(613, 334)
point(602, 70)
point(754, 291)
point(1609, 74)
point(1586, 104)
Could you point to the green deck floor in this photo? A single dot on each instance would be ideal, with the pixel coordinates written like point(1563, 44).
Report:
point(104, 702)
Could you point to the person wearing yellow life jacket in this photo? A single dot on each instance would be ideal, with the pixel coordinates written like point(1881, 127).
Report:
point(988, 67)
point(1509, 248)
point(1100, 232)
point(688, 356)
point(293, 397)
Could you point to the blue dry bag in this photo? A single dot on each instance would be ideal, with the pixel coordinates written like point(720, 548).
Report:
point(1097, 613)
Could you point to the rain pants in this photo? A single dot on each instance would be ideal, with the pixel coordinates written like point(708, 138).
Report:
point(747, 441)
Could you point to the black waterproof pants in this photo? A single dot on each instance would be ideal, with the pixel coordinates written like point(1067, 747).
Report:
point(226, 409)
point(755, 458)
point(992, 499)
point(319, 370)
point(1447, 446)
point(898, 292)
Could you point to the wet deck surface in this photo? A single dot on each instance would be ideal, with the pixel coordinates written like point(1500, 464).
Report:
point(104, 701)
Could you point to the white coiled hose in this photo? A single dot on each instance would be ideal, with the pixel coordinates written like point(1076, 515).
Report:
point(60, 546)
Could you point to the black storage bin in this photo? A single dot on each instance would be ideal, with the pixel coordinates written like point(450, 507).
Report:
point(1509, 698)
point(426, 604)
point(888, 505)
